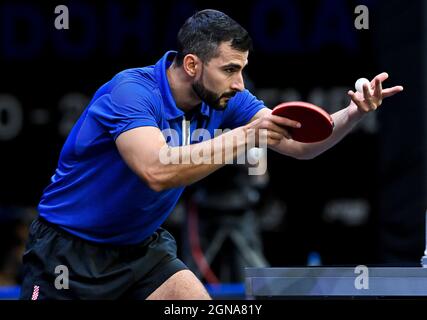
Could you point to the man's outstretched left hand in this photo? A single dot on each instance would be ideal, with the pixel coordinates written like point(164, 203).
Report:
point(373, 94)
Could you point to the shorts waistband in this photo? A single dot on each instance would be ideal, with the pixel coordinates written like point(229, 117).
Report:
point(66, 234)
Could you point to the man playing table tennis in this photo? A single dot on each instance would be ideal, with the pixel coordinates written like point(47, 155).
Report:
point(100, 216)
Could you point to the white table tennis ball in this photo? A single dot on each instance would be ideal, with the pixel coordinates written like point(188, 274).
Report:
point(254, 155)
point(359, 84)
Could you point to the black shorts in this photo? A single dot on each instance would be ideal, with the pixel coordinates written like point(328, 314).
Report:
point(95, 271)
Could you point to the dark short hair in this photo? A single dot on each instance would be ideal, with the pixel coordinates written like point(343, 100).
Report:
point(203, 32)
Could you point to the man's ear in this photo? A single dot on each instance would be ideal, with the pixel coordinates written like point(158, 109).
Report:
point(191, 64)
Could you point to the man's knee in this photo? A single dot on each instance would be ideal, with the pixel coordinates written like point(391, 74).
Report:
point(183, 285)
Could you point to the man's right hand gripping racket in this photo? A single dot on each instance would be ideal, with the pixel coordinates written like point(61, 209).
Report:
point(316, 123)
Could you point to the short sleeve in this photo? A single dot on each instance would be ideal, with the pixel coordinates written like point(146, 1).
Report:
point(241, 109)
point(129, 105)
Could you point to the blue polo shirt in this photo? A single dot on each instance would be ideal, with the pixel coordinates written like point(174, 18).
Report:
point(93, 193)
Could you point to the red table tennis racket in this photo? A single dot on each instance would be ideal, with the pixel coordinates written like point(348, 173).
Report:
point(316, 123)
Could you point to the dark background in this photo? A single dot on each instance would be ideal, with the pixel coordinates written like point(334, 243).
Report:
point(362, 202)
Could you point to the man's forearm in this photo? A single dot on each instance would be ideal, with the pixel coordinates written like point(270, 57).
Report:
point(185, 165)
point(345, 120)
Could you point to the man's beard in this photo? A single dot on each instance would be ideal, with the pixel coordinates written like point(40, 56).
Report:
point(209, 97)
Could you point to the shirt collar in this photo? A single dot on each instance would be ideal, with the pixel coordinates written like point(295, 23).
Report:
point(171, 109)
